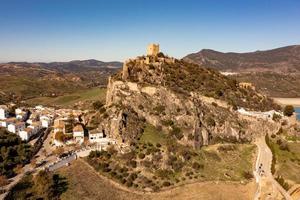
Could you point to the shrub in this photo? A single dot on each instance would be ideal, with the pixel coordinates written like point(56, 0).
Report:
point(214, 104)
point(177, 132)
point(141, 155)
point(247, 175)
point(190, 136)
point(147, 163)
point(284, 146)
point(111, 150)
point(164, 173)
point(94, 154)
point(210, 121)
point(132, 163)
point(167, 122)
point(159, 109)
point(141, 107)
point(197, 166)
point(102, 110)
point(166, 184)
point(97, 105)
point(129, 183)
point(288, 110)
point(186, 154)
point(160, 54)
point(276, 117)
point(282, 182)
point(226, 148)
point(132, 176)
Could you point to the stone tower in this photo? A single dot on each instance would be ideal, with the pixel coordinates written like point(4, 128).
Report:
point(153, 49)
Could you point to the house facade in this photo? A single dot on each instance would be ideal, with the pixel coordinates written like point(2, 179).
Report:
point(78, 134)
point(26, 134)
point(3, 112)
point(95, 136)
point(16, 127)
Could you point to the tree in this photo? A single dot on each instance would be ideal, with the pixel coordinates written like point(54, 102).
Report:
point(59, 136)
point(43, 185)
point(288, 110)
point(33, 162)
point(97, 105)
point(3, 181)
point(49, 186)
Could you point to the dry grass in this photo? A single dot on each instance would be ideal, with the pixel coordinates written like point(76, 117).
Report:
point(85, 183)
point(69, 100)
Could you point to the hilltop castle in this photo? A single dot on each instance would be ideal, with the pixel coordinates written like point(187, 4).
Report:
point(153, 57)
point(153, 49)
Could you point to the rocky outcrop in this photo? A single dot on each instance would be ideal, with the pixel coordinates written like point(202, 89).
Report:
point(197, 123)
point(142, 94)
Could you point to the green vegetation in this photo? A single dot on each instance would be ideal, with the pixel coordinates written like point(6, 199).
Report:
point(44, 185)
point(288, 110)
point(183, 77)
point(273, 84)
point(153, 135)
point(287, 160)
point(69, 100)
point(272, 148)
point(13, 153)
point(155, 164)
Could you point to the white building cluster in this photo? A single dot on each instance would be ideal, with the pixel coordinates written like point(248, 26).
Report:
point(69, 129)
point(262, 115)
point(67, 125)
point(26, 122)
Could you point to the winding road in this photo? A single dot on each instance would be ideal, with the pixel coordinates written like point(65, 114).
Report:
point(268, 187)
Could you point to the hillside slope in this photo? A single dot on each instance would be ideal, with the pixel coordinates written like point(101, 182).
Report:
point(285, 59)
point(171, 119)
point(196, 104)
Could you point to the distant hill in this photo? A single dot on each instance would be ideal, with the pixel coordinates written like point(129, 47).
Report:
point(282, 60)
point(22, 80)
point(274, 72)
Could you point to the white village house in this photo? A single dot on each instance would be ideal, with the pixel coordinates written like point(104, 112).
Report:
point(36, 127)
point(3, 112)
point(26, 134)
point(21, 115)
point(16, 127)
point(46, 121)
point(78, 134)
point(95, 136)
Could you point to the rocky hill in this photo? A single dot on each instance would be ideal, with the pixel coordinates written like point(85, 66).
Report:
point(28, 80)
point(170, 119)
point(194, 104)
point(284, 60)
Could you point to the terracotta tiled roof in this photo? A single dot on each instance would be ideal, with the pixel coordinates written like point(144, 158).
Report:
point(78, 128)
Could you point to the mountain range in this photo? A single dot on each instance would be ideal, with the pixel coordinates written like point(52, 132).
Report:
point(273, 72)
point(280, 60)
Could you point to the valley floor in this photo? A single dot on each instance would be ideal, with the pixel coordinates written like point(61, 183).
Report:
point(288, 101)
point(85, 183)
point(69, 100)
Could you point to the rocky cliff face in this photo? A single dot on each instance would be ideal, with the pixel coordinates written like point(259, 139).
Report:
point(145, 93)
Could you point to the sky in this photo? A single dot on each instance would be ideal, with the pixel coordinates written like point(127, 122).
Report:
point(114, 30)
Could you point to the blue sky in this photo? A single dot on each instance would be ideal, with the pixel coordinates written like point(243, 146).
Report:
point(63, 30)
